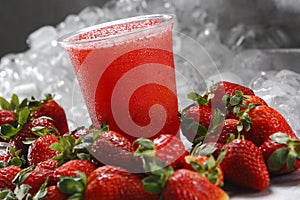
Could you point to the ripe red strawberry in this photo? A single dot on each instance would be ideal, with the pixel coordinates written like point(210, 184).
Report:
point(37, 177)
point(280, 153)
point(116, 184)
point(170, 150)
point(207, 166)
point(264, 121)
point(7, 175)
point(52, 109)
point(6, 117)
point(242, 102)
point(69, 168)
point(195, 117)
point(225, 87)
point(54, 193)
point(112, 148)
point(48, 164)
point(26, 133)
point(107, 169)
point(188, 185)
point(5, 157)
point(39, 150)
point(243, 165)
point(223, 131)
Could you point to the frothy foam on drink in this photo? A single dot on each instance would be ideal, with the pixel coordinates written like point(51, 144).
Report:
point(115, 29)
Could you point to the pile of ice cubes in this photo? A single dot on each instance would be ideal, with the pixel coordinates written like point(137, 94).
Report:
point(213, 40)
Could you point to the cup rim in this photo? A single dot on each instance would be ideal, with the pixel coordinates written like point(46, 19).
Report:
point(66, 39)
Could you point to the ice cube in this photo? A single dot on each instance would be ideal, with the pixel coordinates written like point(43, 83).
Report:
point(41, 37)
point(91, 15)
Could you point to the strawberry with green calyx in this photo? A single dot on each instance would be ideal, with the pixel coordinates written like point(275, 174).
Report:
point(12, 157)
point(114, 183)
point(14, 115)
point(7, 176)
point(207, 166)
point(34, 177)
point(260, 121)
point(239, 101)
point(70, 168)
point(70, 148)
point(168, 148)
point(281, 153)
point(39, 149)
point(243, 165)
point(186, 184)
point(50, 108)
point(222, 88)
point(19, 141)
point(48, 164)
point(165, 182)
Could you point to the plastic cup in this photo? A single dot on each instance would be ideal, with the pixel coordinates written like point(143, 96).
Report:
point(125, 70)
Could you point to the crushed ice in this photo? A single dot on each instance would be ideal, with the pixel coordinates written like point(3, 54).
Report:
point(234, 44)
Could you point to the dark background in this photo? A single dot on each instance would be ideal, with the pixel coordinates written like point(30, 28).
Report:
point(19, 18)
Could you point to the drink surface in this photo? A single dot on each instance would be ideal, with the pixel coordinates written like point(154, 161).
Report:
point(128, 80)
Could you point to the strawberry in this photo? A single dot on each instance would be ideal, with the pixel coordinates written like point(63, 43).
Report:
point(118, 184)
point(224, 87)
point(188, 185)
point(37, 177)
point(54, 193)
point(223, 131)
point(207, 166)
point(12, 157)
point(7, 176)
point(48, 164)
point(195, 119)
point(281, 153)
point(69, 168)
point(240, 102)
point(39, 150)
point(50, 108)
point(27, 133)
point(6, 117)
point(170, 150)
point(107, 169)
point(167, 148)
point(113, 148)
point(244, 166)
point(262, 121)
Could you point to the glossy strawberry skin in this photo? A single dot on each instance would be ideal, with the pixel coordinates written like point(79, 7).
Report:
point(7, 174)
point(170, 150)
point(189, 185)
point(112, 148)
point(223, 131)
point(225, 87)
point(265, 122)
point(37, 177)
point(54, 193)
point(39, 150)
point(243, 165)
point(195, 114)
point(69, 168)
point(6, 117)
point(201, 160)
point(268, 147)
point(52, 109)
point(26, 132)
point(5, 157)
point(48, 164)
point(112, 184)
point(107, 169)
